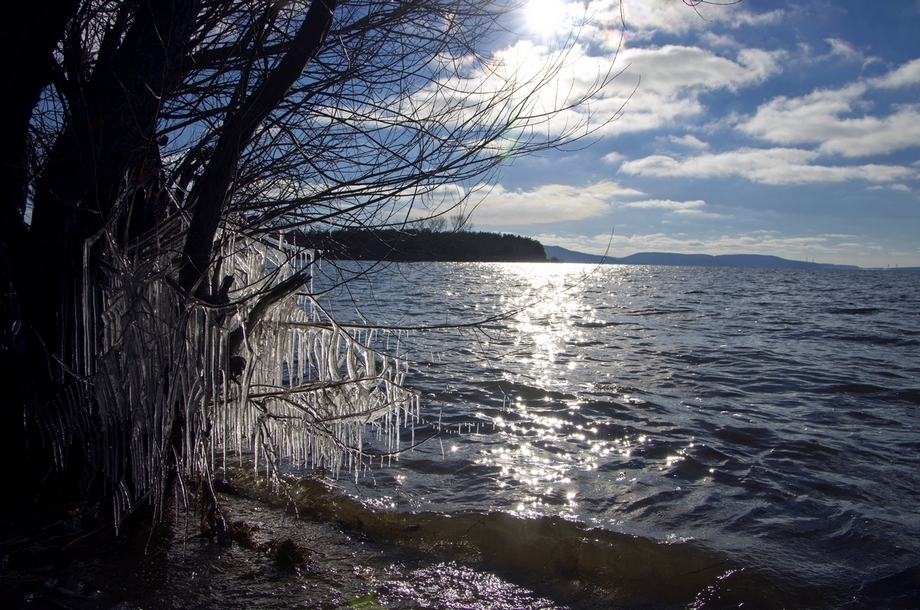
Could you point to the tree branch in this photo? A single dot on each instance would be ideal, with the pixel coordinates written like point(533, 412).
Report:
point(209, 194)
point(283, 289)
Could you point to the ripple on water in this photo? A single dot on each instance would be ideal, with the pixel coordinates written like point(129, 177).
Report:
point(750, 390)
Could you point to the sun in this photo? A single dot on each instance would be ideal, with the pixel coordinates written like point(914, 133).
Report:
point(545, 17)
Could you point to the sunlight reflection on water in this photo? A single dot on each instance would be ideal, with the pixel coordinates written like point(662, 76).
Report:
point(548, 451)
point(552, 300)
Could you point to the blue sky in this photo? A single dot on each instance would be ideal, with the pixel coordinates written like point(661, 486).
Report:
point(783, 128)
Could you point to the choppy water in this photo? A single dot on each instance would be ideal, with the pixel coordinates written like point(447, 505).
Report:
point(767, 419)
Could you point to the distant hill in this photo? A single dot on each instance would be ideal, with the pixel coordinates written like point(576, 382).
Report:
point(564, 255)
point(689, 260)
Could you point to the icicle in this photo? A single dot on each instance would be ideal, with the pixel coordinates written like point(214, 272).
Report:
point(149, 353)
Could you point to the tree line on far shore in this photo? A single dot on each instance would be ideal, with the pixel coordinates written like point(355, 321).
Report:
point(416, 245)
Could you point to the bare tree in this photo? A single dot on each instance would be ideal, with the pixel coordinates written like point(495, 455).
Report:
point(155, 309)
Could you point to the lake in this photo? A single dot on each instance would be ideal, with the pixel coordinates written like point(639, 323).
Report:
point(768, 418)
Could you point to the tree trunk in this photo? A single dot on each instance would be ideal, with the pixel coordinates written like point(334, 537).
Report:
point(108, 137)
point(110, 132)
point(29, 33)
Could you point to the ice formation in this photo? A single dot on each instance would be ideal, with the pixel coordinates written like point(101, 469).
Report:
point(159, 386)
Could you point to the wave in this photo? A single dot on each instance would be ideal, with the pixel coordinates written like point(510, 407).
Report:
point(551, 552)
point(854, 311)
point(898, 590)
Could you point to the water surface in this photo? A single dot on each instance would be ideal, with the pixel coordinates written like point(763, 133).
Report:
point(769, 417)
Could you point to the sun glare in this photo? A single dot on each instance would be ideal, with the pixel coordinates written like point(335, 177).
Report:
point(545, 17)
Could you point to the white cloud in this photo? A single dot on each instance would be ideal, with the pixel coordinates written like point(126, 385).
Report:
point(658, 86)
point(541, 92)
point(833, 50)
point(549, 203)
point(689, 141)
point(838, 121)
point(907, 75)
point(645, 18)
point(663, 85)
point(672, 69)
point(760, 65)
point(694, 208)
point(723, 41)
point(766, 166)
point(672, 76)
point(821, 118)
point(667, 204)
point(843, 49)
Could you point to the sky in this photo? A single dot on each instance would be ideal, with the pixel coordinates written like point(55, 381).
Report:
point(764, 127)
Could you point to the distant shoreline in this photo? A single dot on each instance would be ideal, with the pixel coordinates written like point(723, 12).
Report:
point(413, 245)
point(760, 261)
